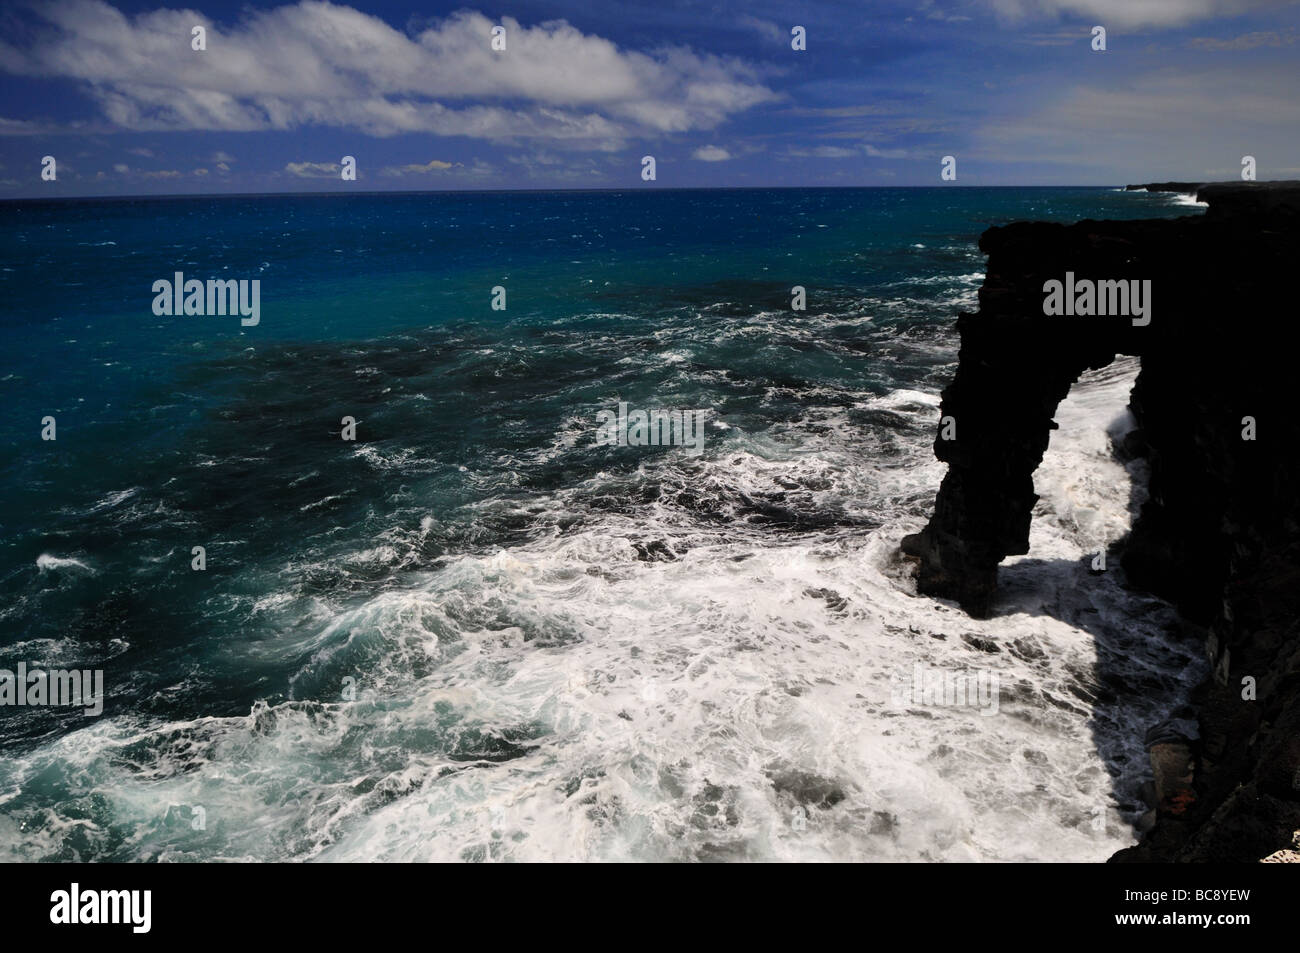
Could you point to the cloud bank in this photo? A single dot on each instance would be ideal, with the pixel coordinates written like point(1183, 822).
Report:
point(318, 63)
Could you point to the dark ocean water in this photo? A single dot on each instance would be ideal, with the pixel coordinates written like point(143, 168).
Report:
point(473, 632)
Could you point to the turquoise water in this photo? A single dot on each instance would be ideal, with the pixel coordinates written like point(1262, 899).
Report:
point(492, 584)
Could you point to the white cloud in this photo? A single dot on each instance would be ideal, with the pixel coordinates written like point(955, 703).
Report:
point(121, 168)
point(537, 159)
point(841, 152)
point(884, 153)
point(1247, 41)
point(548, 168)
point(1170, 124)
point(931, 13)
point(822, 152)
point(21, 127)
point(312, 170)
point(433, 165)
point(318, 63)
point(711, 154)
point(764, 28)
point(1134, 13)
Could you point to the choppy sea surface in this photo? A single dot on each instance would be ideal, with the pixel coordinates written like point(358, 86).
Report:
point(475, 634)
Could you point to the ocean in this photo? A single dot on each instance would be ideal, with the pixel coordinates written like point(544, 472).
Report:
point(476, 633)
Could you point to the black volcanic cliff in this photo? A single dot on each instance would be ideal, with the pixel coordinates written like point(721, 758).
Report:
point(1220, 534)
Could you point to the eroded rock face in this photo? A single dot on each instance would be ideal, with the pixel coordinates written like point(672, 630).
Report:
point(1220, 534)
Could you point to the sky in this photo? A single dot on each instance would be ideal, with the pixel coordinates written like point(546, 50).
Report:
point(1013, 90)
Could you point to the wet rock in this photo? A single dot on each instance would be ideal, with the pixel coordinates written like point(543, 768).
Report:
point(1172, 768)
point(1187, 188)
point(980, 643)
point(834, 601)
point(807, 789)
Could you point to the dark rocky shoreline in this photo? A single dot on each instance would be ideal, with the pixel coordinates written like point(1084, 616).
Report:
point(1187, 188)
point(1220, 534)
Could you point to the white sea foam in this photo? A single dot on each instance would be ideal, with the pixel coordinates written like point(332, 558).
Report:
point(45, 563)
point(726, 693)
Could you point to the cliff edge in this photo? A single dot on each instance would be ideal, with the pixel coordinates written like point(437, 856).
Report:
point(1207, 304)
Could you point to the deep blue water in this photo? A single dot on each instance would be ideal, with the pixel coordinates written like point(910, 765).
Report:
point(330, 560)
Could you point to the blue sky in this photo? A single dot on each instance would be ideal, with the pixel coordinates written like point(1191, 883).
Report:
point(583, 90)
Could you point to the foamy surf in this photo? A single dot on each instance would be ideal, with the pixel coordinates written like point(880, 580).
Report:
point(46, 562)
point(659, 686)
point(472, 633)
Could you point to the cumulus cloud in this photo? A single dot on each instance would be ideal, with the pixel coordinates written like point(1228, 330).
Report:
point(433, 165)
point(312, 170)
point(319, 63)
point(1134, 13)
point(545, 167)
point(711, 154)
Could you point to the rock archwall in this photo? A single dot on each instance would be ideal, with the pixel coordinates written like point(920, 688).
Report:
point(1217, 419)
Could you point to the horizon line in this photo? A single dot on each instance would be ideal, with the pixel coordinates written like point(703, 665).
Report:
point(632, 188)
